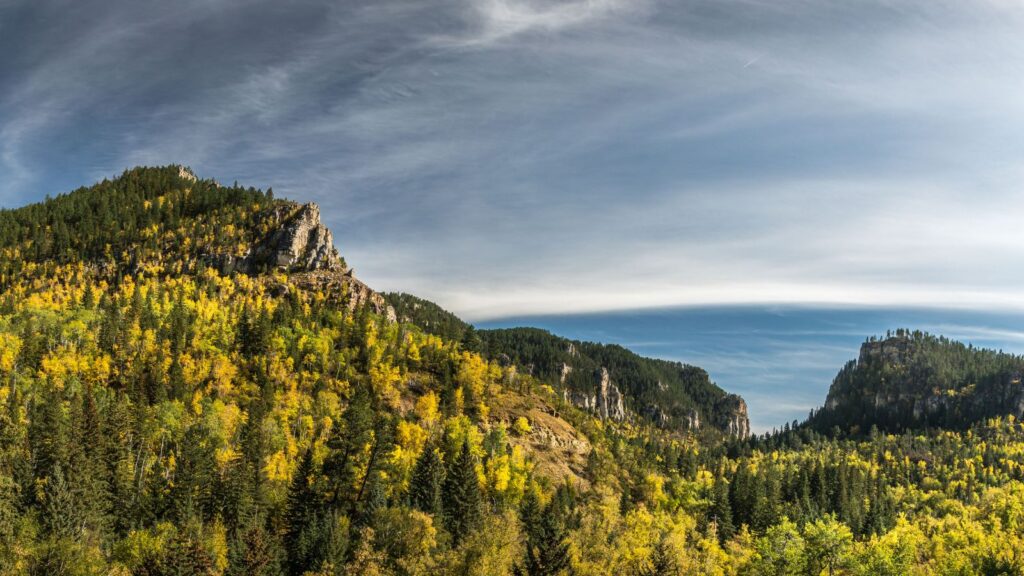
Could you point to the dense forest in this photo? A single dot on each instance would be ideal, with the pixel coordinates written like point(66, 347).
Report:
point(163, 414)
point(914, 380)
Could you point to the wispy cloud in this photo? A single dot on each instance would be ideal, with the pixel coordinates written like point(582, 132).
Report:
point(503, 156)
point(495, 20)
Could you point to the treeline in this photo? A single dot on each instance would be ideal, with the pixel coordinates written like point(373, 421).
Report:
point(144, 215)
point(912, 380)
point(431, 318)
point(665, 392)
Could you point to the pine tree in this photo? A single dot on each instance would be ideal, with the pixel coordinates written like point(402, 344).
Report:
point(662, 564)
point(375, 501)
point(87, 471)
point(301, 519)
point(253, 552)
point(61, 513)
point(721, 510)
point(463, 502)
point(342, 466)
point(187, 556)
point(547, 552)
point(427, 482)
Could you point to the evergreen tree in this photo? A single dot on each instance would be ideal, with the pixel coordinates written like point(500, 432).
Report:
point(721, 510)
point(343, 466)
point(425, 489)
point(187, 556)
point(547, 552)
point(302, 521)
point(62, 517)
point(662, 564)
point(463, 501)
point(253, 552)
point(375, 501)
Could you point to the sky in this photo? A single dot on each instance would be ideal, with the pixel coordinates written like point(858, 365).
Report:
point(512, 157)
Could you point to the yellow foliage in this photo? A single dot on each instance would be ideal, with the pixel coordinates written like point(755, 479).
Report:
point(654, 490)
point(522, 426)
point(426, 409)
point(384, 378)
point(276, 469)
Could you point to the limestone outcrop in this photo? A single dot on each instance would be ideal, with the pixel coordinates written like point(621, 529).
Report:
point(609, 398)
point(732, 416)
point(607, 401)
point(186, 174)
point(300, 243)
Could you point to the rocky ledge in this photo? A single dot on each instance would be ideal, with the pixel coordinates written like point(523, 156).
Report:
point(732, 416)
point(606, 401)
point(300, 243)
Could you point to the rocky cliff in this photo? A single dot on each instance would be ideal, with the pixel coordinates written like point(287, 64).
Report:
point(616, 384)
point(915, 380)
point(606, 400)
point(732, 416)
point(299, 243)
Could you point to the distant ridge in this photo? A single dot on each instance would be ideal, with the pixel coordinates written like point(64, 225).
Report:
point(607, 380)
point(914, 380)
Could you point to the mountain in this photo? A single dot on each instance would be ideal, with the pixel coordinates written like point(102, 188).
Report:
point(914, 380)
point(606, 380)
point(192, 382)
point(613, 382)
point(157, 221)
point(184, 363)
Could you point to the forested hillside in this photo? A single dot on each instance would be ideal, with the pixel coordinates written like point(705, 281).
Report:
point(914, 380)
point(670, 394)
point(193, 383)
point(608, 380)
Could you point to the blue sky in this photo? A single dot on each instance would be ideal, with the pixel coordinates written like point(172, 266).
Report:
point(509, 157)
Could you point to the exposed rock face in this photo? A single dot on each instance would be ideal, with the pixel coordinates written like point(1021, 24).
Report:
point(890, 350)
point(186, 174)
point(566, 370)
point(301, 243)
point(304, 247)
point(607, 402)
point(655, 414)
point(609, 398)
point(732, 415)
point(693, 420)
point(580, 399)
point(345, 288)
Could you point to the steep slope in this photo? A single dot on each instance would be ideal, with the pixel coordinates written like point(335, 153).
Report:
point(913, 380)
point(612, 382)
point(191, 376)
point(606, 380)
point(167, 221)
